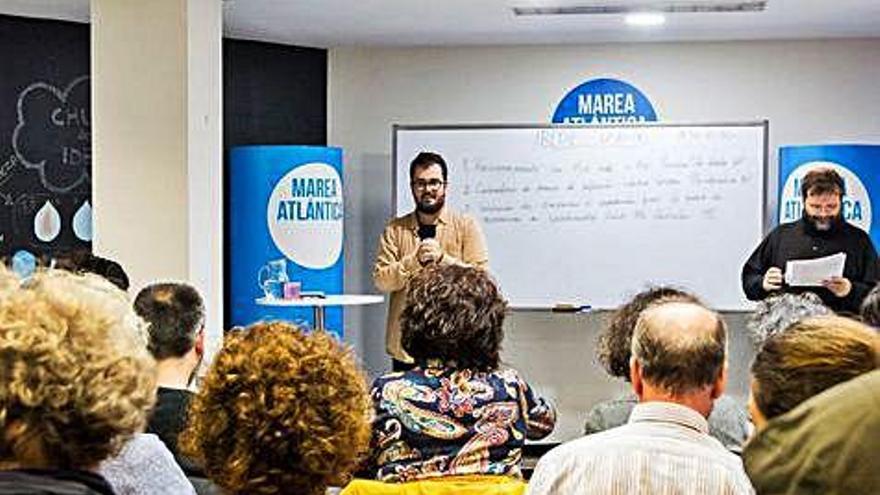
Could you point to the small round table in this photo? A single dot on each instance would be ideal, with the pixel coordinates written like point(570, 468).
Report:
point(319, 303)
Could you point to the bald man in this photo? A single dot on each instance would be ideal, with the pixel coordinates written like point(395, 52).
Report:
point(678, 368)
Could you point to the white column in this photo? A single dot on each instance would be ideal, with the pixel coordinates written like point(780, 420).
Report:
point(205, 156)
point(157, 142)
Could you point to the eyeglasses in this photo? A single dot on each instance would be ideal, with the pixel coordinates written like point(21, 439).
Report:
point(432, 184)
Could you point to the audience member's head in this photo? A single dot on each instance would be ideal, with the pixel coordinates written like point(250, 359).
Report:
point(77, 381)
point(83, 261)
point(279, 411)
point(614, 348)
point(777, 312)
point(175, 316)
point(827, 444)
point(454, 316)
point(808, 357)
point(679, 355)
point(871, 308)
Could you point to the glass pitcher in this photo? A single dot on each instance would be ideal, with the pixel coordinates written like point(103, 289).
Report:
point(272, 277)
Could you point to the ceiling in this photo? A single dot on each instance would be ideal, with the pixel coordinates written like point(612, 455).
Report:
point(330, 23)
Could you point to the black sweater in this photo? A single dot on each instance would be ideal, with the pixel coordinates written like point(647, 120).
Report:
point(800, 240)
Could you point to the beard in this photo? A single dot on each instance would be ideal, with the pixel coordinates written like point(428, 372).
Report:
point(431, 208)
point(824, 224)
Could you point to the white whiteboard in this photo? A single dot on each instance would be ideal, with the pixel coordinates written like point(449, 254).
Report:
point(591, 215)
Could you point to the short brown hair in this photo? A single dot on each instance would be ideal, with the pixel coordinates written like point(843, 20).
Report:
point(174, 313)
point(454, 314)
point(280, 411)
point(680, 361)
point(812, 355)
point(614, 347)
point(426, 159)
point(822, 180)
point(75, 376)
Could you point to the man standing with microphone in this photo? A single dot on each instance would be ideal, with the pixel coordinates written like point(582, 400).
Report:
point(431, 234)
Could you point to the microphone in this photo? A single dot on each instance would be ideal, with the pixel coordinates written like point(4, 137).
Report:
point(427, 231)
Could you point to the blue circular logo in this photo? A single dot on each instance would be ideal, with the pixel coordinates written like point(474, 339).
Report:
point(604, 101)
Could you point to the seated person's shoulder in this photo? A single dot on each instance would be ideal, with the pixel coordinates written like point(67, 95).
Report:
point(395, 378)
point(508, 374)
point(608, 414)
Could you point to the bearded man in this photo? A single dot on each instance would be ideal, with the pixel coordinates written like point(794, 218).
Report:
point(821, 231)
point(431, 234)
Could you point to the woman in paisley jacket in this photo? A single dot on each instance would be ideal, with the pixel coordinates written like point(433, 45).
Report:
point(459, 411)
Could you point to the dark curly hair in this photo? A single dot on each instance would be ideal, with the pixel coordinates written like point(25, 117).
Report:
point(175, 313)
point(614, 347)
point(454, 314)
point(280, 411)
point(83, 261)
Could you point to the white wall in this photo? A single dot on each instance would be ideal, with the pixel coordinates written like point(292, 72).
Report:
point(157, 144)
point(139, 141)
point(811, 91)
point(205, 160)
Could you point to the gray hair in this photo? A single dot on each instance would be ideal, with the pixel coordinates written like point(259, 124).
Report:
point(776, 313)
point(871, 308)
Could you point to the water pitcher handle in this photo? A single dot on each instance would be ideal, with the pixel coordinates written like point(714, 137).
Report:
point(262, 276)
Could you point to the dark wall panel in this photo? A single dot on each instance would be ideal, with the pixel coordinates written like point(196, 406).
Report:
point(272, 94)
point(45, 136)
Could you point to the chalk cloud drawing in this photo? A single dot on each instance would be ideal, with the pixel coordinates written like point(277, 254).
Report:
point(53, 133)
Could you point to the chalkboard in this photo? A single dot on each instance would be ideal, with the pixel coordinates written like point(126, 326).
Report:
point(591, 215)
point(45, 137)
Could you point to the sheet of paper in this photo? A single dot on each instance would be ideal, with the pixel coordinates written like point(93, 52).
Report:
point(813, 272)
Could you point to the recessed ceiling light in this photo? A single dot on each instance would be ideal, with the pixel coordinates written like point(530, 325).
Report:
point(645, 19)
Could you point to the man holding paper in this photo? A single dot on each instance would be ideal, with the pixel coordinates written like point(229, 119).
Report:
point(819, 253)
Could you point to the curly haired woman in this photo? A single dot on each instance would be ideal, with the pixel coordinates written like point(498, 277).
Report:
point(458, 412)
point(280, 411)
point(75, 383)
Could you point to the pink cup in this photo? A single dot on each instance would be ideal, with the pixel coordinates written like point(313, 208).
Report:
point(292, 290)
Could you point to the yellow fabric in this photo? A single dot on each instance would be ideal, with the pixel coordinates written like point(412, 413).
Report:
point(452, 485)
point(462, 242)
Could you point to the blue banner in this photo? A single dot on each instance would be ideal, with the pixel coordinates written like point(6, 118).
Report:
point(604, 101)
point(285, 230)
point(858, 164)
